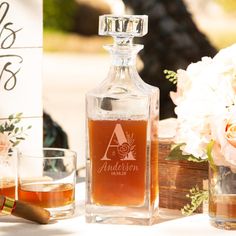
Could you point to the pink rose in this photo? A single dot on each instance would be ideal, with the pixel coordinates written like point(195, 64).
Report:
point(5, 144)
point(230, 133)
point(223, 132)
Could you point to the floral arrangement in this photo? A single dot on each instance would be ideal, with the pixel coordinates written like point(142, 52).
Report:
point(11, 134)
point(206, 111)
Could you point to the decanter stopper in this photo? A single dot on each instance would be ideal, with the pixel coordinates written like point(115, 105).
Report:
point(127, 26)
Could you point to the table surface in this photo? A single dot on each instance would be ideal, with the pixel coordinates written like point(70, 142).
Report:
point(170, 225)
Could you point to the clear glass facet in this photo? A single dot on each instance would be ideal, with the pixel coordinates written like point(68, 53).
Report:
point(122, 145)
point(123, 26)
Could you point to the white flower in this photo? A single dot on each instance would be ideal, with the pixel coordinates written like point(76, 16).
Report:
point(205, 106)
point(184, 84)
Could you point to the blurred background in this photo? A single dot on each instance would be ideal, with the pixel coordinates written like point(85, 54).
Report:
point(180, 32)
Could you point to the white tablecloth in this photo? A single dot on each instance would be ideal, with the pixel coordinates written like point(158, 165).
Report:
point(190, 226)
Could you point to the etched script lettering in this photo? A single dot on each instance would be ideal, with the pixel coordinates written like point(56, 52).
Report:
point(117, 167)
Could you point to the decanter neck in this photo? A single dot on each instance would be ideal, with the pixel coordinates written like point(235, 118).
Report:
point(123, 55)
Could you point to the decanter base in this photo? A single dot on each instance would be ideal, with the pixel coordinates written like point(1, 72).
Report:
point(120, 215)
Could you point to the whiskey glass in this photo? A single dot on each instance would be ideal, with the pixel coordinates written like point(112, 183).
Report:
point(8, 173)
point(47, 178)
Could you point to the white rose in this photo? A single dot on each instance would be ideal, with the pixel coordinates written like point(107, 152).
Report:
point(183, 85)
point(189, 80)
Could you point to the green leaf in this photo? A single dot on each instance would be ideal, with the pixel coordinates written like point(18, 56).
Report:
point(20, 138)
point(11, 117)
point(210, 158)
point(176, 154)
point(18, 115)
point(1, 129)
point(10, 128)
point(17, 121)
point(197, 197)
point(16, 130)
point(195, 159)
point(171, 76)
point(16, 143)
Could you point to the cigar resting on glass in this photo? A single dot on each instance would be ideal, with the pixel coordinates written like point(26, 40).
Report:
point(9, 206)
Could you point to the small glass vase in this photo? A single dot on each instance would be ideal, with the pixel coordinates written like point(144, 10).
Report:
point(222, 197)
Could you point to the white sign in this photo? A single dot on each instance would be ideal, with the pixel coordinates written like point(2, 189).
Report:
point(21, 65)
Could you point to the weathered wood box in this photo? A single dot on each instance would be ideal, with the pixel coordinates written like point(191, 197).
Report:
point(176, 178)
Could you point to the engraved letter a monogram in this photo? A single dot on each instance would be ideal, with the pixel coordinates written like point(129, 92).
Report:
point(121, 138)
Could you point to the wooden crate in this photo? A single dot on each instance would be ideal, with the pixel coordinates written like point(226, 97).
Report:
point(177, 177)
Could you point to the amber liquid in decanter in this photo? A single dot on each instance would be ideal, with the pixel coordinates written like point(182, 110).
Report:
point(121, 144)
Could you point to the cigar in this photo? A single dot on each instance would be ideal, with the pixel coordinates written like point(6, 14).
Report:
point(9, 206)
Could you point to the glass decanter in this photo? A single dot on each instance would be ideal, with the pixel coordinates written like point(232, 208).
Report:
point(122, 140)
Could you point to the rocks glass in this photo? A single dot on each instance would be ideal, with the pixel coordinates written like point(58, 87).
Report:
point(47, 179)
